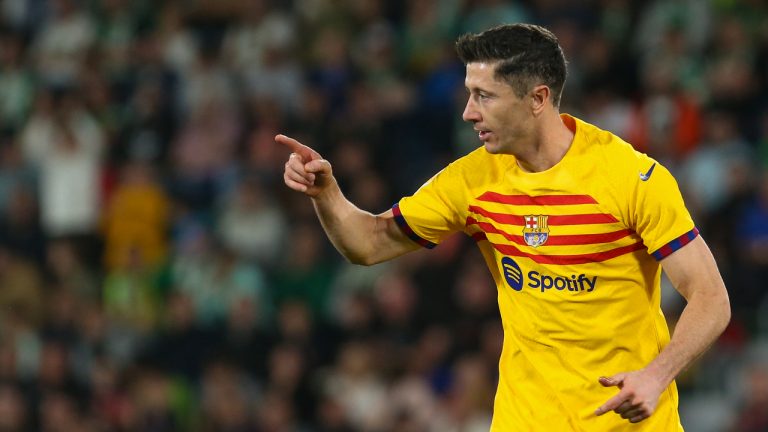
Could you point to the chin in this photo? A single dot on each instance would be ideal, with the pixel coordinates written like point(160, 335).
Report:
point(492, 148)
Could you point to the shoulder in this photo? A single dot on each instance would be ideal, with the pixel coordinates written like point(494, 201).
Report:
point(623, 176)
point(612, 156)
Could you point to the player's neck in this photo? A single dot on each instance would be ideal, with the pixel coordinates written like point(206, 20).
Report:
point(550, 142)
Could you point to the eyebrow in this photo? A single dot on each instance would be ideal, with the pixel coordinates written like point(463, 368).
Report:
point(478, 90)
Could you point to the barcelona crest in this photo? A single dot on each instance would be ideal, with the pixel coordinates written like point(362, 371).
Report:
point(536, 231)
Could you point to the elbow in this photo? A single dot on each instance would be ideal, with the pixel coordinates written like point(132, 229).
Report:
point(724, 310)
point(363, 254)
point(713, 306)
point(359, 259)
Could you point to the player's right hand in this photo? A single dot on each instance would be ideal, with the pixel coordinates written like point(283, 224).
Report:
point(306, 171)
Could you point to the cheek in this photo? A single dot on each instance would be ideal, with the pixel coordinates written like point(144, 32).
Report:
point(514, 126)
point(510, 120)
point(519, 119)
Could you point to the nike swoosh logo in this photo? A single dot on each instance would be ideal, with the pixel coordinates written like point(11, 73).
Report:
point(646, 176)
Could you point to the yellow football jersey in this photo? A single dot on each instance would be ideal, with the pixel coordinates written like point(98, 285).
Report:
point(574, 252)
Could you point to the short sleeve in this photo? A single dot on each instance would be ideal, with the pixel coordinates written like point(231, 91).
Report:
point(660, 216)
point(436, 210)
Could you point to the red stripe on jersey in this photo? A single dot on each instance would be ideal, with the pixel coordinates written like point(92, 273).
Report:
point(577, 219)
point(569, 259)
point(479, 236)
point(536, 200)
point(558, 240)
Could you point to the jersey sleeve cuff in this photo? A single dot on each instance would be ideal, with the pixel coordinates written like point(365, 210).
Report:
point(407, 230)
point(675, 244)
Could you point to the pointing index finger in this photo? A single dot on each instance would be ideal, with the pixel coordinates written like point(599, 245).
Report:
point(612, 403)
point(305, 152)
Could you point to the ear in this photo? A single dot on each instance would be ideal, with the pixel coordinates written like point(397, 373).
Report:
point(540, 98)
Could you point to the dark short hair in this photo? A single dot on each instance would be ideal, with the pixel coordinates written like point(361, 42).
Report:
point(527, 55)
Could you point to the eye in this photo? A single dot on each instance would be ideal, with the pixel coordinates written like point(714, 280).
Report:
point(479, 96)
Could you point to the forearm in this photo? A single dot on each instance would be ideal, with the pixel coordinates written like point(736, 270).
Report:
point(704, 318)
point(354, 232)
point(362, 237)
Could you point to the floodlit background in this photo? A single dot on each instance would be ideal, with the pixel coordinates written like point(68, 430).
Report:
point(156, 274)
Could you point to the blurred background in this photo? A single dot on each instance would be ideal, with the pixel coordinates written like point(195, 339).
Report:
point(156, 274)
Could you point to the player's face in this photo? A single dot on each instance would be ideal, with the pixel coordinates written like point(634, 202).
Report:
point(502, 120)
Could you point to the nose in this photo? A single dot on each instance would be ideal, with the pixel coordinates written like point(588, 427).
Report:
point(470, 113)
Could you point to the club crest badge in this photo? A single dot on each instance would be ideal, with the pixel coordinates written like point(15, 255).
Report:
point(536, 231)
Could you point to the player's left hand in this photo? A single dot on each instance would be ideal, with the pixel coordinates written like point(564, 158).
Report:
point(638, 395)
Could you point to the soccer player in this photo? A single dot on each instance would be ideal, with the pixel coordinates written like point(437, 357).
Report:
point(575, 226)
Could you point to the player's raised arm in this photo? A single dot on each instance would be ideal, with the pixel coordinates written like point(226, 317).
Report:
point(362, 237)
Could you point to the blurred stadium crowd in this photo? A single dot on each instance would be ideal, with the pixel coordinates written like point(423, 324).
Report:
point(156, 275)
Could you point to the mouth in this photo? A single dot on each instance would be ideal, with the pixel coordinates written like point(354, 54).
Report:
point(484, 135)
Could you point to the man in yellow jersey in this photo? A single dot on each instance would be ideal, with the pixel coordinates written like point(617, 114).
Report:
point(575, 226)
